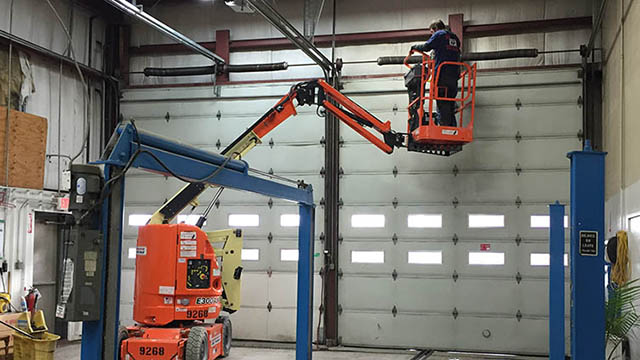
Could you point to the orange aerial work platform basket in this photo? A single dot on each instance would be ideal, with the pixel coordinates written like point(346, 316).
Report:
point(427, 135)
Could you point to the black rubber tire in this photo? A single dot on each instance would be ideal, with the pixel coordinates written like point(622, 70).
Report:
point(197, 344)
point(123, 334)
point(227, 331)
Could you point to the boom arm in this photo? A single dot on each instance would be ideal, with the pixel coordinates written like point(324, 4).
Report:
point(316, 92)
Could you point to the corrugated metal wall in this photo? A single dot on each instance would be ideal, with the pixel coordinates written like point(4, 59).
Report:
point(64, 104)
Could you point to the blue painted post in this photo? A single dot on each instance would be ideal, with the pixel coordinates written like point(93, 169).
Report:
point(587, 254)
point(92, 331)
point(304, 319)
point(556, 282)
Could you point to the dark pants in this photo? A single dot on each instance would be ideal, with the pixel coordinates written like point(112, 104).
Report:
point(447, 87)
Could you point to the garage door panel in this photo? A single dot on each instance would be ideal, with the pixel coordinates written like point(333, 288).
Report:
point(283, 290)
point(255, 290)
point(472, 187)
point(402, 331)
point(308, 159)
point(419, 294)
point(506, 121)
point(283, 255)
point(201, 126)
point(455, 220)
point(481, 155)
point(250, 323)
point(484, 78)
point(126, 315)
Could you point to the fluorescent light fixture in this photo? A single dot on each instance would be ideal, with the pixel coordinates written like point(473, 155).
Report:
point(289, 220)
point(424, 220)
point(138, 219)
point(486, 221)
point(244, 220)
point(425, 257)
point(367, 257)
point(367, 221)
point(486, 258)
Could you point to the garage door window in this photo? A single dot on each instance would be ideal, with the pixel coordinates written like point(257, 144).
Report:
point(249, 220)
point(486, 221)
point(425, 257)
point(289, 220)
point(367, 221)
point(486, 258)
point(367, 257)
point(138, 219)
point(424, 220)
point(250, 254)
point(543, 221)
point(288, 254)
point(543, 259)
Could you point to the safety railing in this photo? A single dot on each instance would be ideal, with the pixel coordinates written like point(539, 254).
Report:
point(465, 101)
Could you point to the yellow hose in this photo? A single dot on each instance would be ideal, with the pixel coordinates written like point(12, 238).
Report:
point(621, 270)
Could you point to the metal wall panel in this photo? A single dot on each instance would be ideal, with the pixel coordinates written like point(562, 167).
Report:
point(525, 124)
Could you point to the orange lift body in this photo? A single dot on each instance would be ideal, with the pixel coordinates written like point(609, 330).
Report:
point(177, 286)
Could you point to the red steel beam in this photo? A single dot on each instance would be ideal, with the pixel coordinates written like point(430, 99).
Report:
point(222, 49)
point(456, 23)
point(528, 27)
point(380, 37)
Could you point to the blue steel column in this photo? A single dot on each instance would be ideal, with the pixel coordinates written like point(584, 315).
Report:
point(92, 331)
point(587, 272)
point(556, 282)
point(304, 319)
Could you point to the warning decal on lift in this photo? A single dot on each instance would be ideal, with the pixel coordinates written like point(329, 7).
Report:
point(187, 235)
point(589, 243)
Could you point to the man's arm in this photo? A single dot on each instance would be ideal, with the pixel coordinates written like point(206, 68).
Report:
point(431, 44)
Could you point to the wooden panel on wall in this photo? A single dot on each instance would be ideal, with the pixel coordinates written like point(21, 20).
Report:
point(27, 147)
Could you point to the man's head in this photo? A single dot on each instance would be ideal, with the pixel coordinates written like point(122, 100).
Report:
point(437, 25)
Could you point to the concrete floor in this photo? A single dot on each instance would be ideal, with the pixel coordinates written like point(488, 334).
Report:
point(71, 351)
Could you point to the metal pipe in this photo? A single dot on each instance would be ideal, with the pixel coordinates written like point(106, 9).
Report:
point(596, 29)
point(477, 56)
point(60, 127)
point(8, 120)
point(208, 70)
point(139, 14)
point(290, 32)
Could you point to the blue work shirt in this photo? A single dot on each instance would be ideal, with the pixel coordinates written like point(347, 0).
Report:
point(446, 45)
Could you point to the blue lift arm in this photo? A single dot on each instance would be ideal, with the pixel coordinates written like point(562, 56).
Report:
point(129, 148)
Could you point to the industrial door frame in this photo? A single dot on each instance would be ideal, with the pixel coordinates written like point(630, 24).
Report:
point(99, 338)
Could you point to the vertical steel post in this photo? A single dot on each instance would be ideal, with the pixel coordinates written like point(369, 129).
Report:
point(92, 331)
point(587, 254)
point(556, 282)
point(304, 312)
point(99, 338)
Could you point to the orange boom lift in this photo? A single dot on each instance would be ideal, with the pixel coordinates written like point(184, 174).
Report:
point(180, 279)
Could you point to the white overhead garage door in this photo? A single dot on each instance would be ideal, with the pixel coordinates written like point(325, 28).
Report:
point(450, 253)
point(197, 116)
